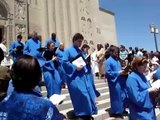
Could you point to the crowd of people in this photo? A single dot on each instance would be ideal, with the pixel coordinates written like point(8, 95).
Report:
point(128, 72)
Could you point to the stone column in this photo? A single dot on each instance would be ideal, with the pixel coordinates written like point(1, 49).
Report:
point(58, 14)
point(51, 15)
point(45, 24)
point(74, 16)
point(66, 23)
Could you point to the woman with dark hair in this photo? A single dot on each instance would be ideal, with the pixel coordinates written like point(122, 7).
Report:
point(116, 80)
point(100, 59)
point(89, 72)
point(51, 75)
point(24, 103)
point(140, 91)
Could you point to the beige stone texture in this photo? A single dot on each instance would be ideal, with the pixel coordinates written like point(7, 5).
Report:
point(64, 17)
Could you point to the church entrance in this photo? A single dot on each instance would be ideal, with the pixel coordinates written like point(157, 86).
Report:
point(1, 33)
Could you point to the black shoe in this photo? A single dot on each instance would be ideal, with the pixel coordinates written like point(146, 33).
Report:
point(125, 113)
point(97, 93)
point(97, 74)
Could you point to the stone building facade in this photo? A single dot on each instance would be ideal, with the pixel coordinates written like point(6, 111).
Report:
point(64, 17)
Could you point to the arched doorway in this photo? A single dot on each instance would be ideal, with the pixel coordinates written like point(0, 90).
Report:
point(4, 13)
point(1, 32)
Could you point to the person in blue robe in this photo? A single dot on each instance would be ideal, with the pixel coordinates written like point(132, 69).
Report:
point(31, 46)
point(51, 75)
point(114, 72)
point(157, 77)
point(157, 74)
point(139, 92)
point(41, 62)
point(52, 79)
point(23, 103)
point(79, 87)
point(60, 54)
point(16, 48)
point(53, 38)
point(89, 72)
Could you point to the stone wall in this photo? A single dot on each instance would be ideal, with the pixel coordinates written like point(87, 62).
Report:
point(64, 17)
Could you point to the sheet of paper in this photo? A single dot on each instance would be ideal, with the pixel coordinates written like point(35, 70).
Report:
point(79, 61)
point(156, 84)
point(57, 99)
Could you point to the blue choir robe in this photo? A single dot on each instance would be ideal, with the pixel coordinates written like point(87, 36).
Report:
point(60, 54)
point(117, 95)
point(52, 78)
point(56, 42)
point(28, 106)
point(80, 89)
point(157, 74)
point(157, 77)
point(90, 76)
point(31, 47)
point(140, 104)
point(14, 45)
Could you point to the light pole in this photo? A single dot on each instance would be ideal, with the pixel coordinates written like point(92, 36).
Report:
point(154, 30)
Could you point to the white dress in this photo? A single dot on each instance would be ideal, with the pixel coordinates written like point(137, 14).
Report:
point(94, 64)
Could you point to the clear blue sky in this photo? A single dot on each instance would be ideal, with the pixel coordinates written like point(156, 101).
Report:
point(133, 18)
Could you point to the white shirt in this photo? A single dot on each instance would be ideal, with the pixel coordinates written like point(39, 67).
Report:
point(3, 47)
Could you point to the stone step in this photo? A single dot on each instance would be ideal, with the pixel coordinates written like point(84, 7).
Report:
point(104, 94)
point(103, 102)
point(98, 83)
point(101, 87)
point(100, 104)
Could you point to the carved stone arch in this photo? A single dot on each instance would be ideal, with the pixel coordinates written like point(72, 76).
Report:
point(4, 9)
point(85, 42)
point(83, 18)
point(89, 20)
point(91, 42)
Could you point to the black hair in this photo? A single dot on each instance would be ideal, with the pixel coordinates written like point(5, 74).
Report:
point(99, 46)
point(53, 35)
point(25, 73)
point(19, 37)
point(77, 36)
point(49, 43)
point(85, 46)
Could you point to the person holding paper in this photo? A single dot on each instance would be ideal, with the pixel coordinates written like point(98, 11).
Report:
point(139, 91)
point(60, 54)
point(116, 82)
point(51, 75)
point(89, 72)
point(24, 103)
point(79, 86)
